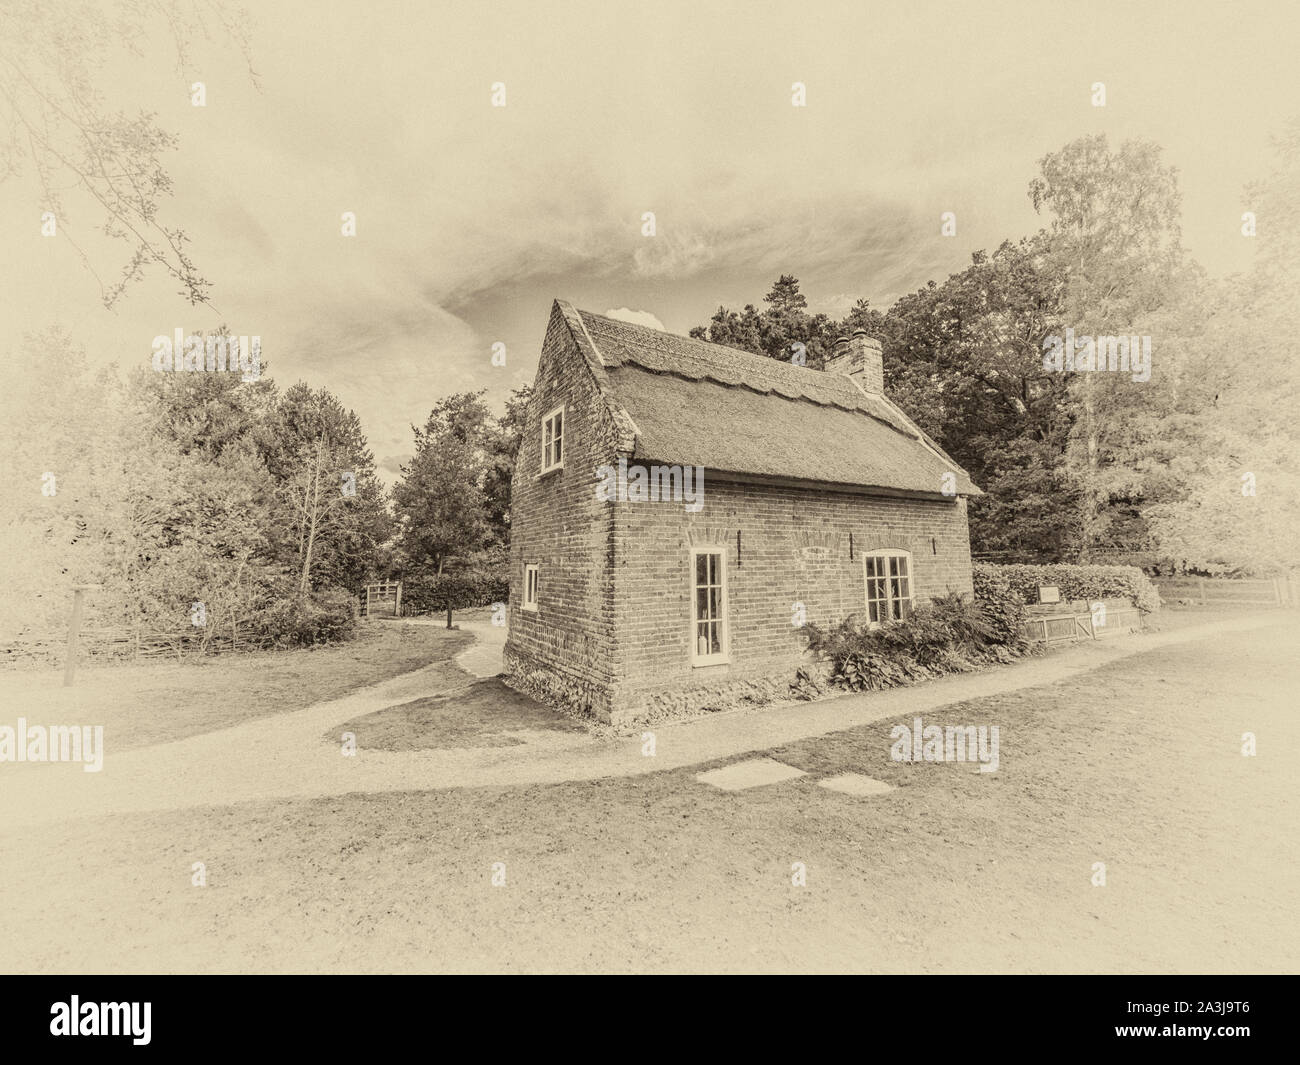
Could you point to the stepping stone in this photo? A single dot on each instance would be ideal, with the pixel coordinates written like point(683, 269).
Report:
point(855, 784)
point(750, 774)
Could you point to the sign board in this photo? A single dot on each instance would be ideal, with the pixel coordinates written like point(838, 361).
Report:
point(1049, 593)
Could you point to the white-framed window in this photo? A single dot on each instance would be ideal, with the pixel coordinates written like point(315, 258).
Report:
point(531, 583)
point(889, 585)
point(708, 606)
point(553, 440)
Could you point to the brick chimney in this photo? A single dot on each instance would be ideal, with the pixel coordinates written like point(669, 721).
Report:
point(858, 356)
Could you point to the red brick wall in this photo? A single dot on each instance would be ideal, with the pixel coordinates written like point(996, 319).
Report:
point(565, 651)
point(794, 549)
point(612, 633)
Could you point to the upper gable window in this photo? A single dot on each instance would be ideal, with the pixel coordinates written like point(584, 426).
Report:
point(553, 440)
point(889, 585)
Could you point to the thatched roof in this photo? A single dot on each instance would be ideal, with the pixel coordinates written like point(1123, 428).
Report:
point(689, 402)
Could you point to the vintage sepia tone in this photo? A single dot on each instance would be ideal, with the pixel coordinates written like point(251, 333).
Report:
point(675, 488)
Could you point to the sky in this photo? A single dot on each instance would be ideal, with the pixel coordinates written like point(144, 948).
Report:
point(471, 219)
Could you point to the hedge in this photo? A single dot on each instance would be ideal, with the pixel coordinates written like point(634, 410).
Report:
point(1003, 606)
point(1076, 582)
point(433, 594)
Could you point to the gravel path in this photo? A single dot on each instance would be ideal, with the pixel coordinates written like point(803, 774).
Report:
point(284, 756)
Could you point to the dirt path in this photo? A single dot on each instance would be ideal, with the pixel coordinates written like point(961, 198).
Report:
point(284, 756)
point(486, 656)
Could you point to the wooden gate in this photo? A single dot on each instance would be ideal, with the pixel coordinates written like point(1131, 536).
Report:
point(1209, 591)
point(383, 599)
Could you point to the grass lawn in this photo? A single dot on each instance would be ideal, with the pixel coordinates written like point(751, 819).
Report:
point(146, 703)
point(1137, 765)
point(486, 714)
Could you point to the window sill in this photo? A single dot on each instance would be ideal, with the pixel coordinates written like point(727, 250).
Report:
point(712, 660)
point(549, 473)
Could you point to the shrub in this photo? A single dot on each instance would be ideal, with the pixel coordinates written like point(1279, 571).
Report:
point(968, 624)
point(324, 616)
point(1076, 582)
point(1003, 607)
point(948, 635)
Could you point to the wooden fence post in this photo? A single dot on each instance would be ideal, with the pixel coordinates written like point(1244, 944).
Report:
point(74, 627)
point(74, 631)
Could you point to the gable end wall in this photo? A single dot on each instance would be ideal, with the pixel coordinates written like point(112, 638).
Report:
point(565, 652)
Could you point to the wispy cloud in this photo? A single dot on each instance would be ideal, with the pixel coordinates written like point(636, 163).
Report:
point(470, 218)
point(626, 314)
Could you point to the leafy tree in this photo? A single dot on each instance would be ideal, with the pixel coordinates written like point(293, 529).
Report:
point(1114, 243)
point(503, 441)
point(441, 500)
point(333, 515)
point(57, 121)
point(63, 429)
point(1230, 500)
point(774, 330)
point(204, 413)
point(177, 490)
point(1071, 462)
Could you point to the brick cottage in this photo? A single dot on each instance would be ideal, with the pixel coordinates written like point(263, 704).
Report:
point(680, 507)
